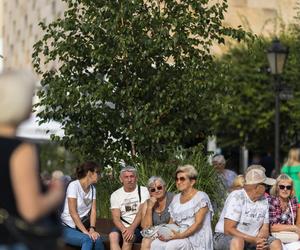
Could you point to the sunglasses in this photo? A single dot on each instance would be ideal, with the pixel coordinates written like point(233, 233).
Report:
point(158, 188)
point(282, 187)
point(182, 179)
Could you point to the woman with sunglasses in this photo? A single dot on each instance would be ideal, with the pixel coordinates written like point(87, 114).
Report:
point(79, 213)
point(284, 213)
point(190, 209)
point(155, 210)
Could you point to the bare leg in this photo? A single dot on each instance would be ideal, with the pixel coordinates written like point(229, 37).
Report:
point(146, 243)
point(114, 238)
point(127, 245)
point(276, 245)
point(237, 243)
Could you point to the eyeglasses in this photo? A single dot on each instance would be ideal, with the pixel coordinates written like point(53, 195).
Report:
point(263, 184)
point(180, 179)
point(158, 188)
point(282, 187)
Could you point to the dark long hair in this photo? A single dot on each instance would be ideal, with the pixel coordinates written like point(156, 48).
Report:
point(82, 170)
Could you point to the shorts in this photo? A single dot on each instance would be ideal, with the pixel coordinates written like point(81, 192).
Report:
point(137, 234)
point(222, 242)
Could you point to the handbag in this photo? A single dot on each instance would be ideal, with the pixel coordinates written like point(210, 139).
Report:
point(287, 236)
point(47, 232)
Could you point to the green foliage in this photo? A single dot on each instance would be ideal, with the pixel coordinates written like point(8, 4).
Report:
point(133, 75)
point(250, 117)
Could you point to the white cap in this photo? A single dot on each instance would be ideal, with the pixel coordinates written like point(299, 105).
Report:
point(255, 174)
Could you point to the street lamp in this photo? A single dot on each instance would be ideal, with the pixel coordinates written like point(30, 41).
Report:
point(277, 55)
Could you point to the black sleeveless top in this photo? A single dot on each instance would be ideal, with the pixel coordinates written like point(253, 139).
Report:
point(7, 197)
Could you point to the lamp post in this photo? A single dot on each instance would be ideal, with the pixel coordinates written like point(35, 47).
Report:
point(277, 55)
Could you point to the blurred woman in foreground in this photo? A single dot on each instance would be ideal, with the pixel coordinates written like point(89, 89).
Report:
point(21, 194)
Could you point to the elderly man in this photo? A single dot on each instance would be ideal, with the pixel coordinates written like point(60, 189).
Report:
point(125, 203)
point(227, 176)
point(244, 221)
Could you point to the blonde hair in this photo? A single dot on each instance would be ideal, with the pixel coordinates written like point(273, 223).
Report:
point(294, 156)
point(281, 177)
point(238, 182)
point(16, 93)
point(190, 170)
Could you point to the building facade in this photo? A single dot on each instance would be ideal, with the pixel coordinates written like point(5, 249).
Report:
point(20, 29)
point(20, 20)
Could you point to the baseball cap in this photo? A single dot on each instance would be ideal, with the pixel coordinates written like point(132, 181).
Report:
point(255, 174)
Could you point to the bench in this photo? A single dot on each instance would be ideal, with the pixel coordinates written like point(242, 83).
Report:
point(104, 226)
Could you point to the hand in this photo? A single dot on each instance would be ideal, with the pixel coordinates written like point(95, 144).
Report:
point(93, 234)
point(56, 187)
point(174, 236)
point(261, 243)
point(151, 202)
point(128, 234)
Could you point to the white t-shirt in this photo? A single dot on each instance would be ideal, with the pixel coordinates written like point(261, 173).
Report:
point(128, 202)
point(250, 215)
point(84, 202)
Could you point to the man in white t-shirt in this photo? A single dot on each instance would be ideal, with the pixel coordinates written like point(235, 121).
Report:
point(244, 221)
point(125, 203)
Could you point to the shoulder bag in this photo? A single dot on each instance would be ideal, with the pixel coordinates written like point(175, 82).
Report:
point(46, 233)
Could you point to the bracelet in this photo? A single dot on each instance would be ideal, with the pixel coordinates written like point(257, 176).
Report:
point(93, 227)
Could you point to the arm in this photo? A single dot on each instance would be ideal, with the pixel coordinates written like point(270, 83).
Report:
point(264, 231)
point(72, 203)
point(116, 215)
point(31, 202)
point(147, 211)
point(292, 228)
point(93, 217)
point(199, 217)
point(230, 229)
point(127, 233)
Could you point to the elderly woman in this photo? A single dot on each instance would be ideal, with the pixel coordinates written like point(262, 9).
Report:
point(191, 209)
point(227, 176)
point(284, 213)
point(155, 210)
point(79, 213)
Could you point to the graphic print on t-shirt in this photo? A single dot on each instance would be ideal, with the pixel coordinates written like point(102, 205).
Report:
point(130, 206)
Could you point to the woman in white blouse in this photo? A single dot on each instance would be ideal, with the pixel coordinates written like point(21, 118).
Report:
point(79, 214)
point(190, 209)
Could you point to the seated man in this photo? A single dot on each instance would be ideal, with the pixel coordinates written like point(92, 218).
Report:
point(125, 203)
point(244, 221)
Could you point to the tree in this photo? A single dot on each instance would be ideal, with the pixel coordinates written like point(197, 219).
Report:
point(250, 118)
point(134, 75)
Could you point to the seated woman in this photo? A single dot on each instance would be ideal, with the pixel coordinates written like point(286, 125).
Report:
point(190, 209)
point(283, 211)
point(79, 213)
point(155, 210)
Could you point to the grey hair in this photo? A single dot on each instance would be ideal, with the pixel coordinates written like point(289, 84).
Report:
point(190, 170)
point(219, 159)
point(128, 169)
point(153, 179)
point(16, 93)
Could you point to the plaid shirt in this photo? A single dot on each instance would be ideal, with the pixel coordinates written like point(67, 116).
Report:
point(275, 211)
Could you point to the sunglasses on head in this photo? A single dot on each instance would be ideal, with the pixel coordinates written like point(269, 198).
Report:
point(158, 188)
point(282, 187)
